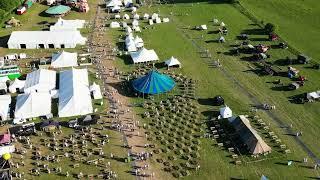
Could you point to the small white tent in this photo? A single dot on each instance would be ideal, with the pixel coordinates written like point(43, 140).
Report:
point(114, 25)
point(116, 9)
point(5, 101)
point(203, 27)
point(33, 105)
point(225, 112)
point(96, 91)
point(158, 20)
point(16, 84)
point(126, 16)
point(117, 16)
point(127, 3)
point(165, 20)
point(154, 16)
point(64, 59)
point(144, 55)
point(136, 16)
point(138, 42)
point(135, 23)
point(146, 16)
point(41, 80)
point(130, 45)
point(222, 24)
point(172, 62)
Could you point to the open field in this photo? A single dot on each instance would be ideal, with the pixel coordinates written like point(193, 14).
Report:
point(168, 40)
point(240, 81)
point(297, 21)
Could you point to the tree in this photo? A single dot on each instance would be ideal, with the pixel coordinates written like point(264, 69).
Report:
point(269, 27)
point(8, 5)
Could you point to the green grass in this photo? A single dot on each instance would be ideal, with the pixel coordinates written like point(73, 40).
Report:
point(167, 40)
point(298, 21)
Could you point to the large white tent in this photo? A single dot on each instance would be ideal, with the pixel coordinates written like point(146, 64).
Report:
point(225, 112)
point(7, 149)
point(144, 55)
point(45, 39)
point(130, 45)
point(74, 93)
point(173, 62)
point(5, 101)
point(16, 84)
point(64, 59)
point(33, 105)
point(67, 25)
point(41, 80)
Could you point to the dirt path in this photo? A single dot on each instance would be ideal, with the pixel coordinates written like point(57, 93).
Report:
point(134, 136)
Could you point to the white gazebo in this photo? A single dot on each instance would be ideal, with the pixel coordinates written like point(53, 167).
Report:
point(146, 16)
point(64, 59)
point(173, 62)
point(96, 91)
point(144, 55)
point(225, 112)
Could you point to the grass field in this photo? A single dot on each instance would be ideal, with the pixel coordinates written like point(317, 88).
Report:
point(298, 21)
point(167, 40)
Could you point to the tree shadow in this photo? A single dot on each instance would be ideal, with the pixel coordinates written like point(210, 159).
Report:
point(206, 101)
point(4, 40)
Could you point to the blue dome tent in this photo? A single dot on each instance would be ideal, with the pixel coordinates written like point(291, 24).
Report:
point(153, 83)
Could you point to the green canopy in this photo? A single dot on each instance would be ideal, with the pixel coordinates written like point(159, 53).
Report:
point(56, 10)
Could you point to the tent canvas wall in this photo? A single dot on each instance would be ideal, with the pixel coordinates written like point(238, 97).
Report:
point(45, 39)
point(96, 91)
point(6, 149)
point(172, 62)
point(64, 59)
point(74, 83)
point(5, 101)
point(41, 80)
point(32, 105)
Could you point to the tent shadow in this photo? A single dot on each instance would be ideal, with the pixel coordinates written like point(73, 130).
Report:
point(206, 101)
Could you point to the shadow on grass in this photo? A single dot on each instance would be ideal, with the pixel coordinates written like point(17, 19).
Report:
point(206, 101)
point(259, 39)
point(255, 31)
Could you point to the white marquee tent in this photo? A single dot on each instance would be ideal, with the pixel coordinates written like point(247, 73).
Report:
point(74, 93)
point(45, 39)
point(130, 45)
point(33, 105)
point(144, 55)
point(5, 101)
point(16, 84)
point(64, 59)
point(41, 80)
point(68, 25)
point(173, 62)
point(225, 112)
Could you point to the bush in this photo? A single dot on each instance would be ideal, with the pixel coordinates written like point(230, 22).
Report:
point(8, 5)
point(269, 27)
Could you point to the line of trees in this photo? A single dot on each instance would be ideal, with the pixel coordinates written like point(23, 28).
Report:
point(6, 6)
